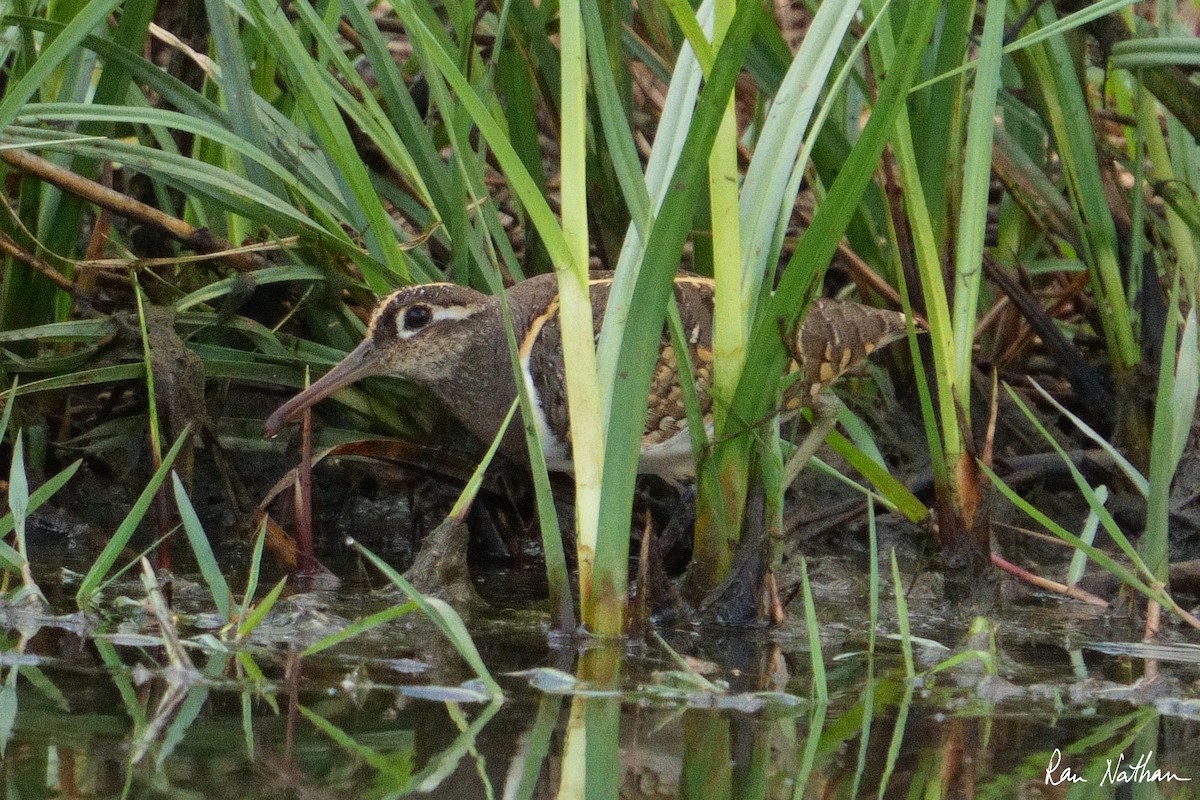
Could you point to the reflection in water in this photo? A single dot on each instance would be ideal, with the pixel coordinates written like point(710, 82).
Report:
point(76, 713)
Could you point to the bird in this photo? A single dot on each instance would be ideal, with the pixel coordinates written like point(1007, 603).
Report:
point(451, 340)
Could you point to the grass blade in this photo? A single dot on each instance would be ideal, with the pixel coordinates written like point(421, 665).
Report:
point(205, 558)
point(440, 614)
point(247, 625)
point(358, 627)
point(86, 594)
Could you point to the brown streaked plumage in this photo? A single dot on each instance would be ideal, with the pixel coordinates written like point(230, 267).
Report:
point(450, 339)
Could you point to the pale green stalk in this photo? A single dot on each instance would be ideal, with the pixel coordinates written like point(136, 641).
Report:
point(668, 143)
point(1163, 170)
point(928, 261)
point(730, 325)
point(1174, 414)
point(775, 172)
point(972, 219)
point(572, 785)
point(578, 344)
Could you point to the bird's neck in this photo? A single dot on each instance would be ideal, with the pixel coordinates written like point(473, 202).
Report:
point(480, 390)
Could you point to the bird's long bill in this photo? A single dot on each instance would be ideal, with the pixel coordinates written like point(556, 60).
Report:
point(358, 363)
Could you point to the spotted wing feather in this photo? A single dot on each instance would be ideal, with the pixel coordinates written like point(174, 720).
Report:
point(837, 336)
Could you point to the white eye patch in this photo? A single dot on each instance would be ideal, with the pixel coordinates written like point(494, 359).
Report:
point(404, 329)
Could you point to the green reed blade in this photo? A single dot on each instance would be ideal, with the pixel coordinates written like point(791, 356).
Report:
point(218, 587)
point(88, 587)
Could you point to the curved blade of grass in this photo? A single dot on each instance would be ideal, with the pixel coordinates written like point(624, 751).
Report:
point(262, 277)
point(314, 194)
point(1161, 51)
point(205, 558)
point(18, 504)
point(181, 96)
point(359, 626)
point(1131, 472)
point(440, 614)
point(519, 179)
point(232, 192)
point(49, 364)
point(1085, 489)
point(76, 330)
point(261, 609)
point(1070, 22)
point(85, 378)
point(264, 339)
point(307, 79)
point(813, 628)
point(88, 587)
point(1102, 559)
point(893, 491)
point(398, 771)
point(9, 557)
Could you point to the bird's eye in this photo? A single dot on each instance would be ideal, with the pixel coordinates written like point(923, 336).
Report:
point(417, 317)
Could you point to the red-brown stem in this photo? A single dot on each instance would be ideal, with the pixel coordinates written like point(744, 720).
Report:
point(306, 561)
point(1043, 583)
point(162, 553)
